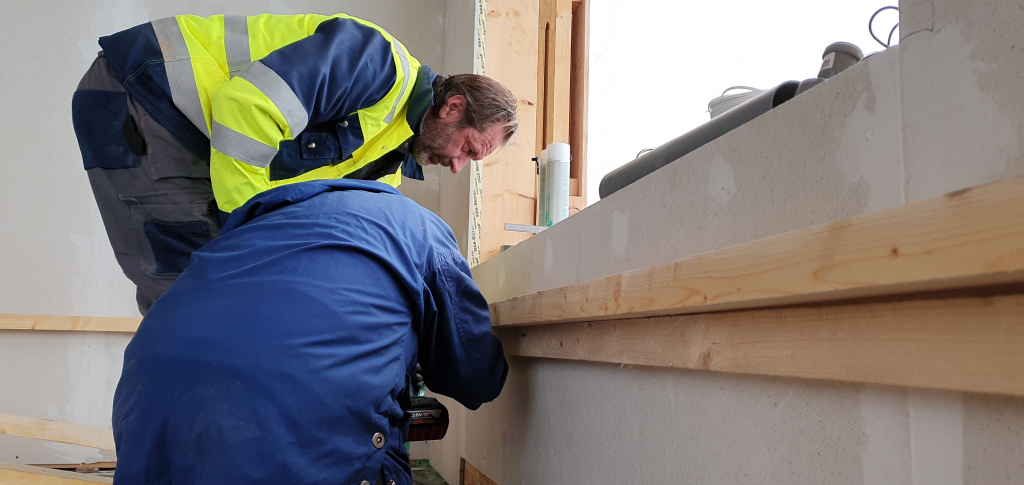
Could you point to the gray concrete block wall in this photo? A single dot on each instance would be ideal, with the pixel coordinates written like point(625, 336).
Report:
point(963, 99)
point(572, 422)
point(54, 254)
point(832, 152)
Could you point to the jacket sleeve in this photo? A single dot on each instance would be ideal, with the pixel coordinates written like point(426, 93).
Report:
point(459, 355)
point(345, 66)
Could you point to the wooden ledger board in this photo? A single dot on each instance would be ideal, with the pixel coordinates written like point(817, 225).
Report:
point(928, 294)
point(972, 237)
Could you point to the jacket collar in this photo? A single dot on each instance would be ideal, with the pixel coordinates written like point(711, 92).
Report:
point(422, 97)
point(420, 101)
point(291, 194)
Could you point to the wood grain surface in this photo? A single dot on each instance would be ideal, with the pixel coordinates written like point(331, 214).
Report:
point(967, 238)
point(579, 80)
point(973, 343)
point(469, 475)
point(69, 323)
point(509, 176)
point(57, 431)
point(12, 473)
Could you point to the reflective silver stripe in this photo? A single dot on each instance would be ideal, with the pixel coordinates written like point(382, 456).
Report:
point(241, 147)
point(402, 56)
point(180, 77)
point(267, 81)
point(236, 42)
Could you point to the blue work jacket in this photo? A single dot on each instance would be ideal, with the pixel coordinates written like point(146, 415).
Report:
point(286, 345)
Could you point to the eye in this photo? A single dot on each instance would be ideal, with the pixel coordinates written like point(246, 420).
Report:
point(475, 152)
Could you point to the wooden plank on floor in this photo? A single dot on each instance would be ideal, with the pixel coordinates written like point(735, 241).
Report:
point(469, 475)
point(69, 323)
point(12, 473)
point(972, 237)
point(970, 343)
point(57, 431)
point(80, 467)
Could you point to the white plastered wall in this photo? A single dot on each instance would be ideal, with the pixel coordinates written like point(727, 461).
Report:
point(54, 254)
point(941, 112)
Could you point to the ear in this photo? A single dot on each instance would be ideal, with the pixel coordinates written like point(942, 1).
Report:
point(453, 109)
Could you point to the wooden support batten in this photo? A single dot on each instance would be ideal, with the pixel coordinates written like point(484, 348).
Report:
point(57, 431)
point(69, 323)
point(970, 344)
point(969, 238)
point(929, 294)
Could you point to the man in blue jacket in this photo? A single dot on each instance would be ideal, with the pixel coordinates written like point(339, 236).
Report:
point(283, 353)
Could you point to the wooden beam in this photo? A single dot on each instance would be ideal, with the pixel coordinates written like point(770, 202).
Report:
point(543, 41)
point(469, 475)
point(32, 475)
point(579, 79)
point(577, 204)
point(508, 176)
point(555, 44)
point(57, 431)
point(69, 323)
point(971, 344)
point(972, 237)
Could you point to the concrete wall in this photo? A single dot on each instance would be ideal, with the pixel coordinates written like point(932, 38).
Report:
point(459, 49)
point(54, 254)
point(941, 112)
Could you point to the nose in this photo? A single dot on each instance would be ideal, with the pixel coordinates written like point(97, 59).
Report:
point(458, 164)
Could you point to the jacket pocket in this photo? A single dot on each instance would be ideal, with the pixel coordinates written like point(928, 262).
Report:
point(350, 136)
point(309, 151)
point(174, 224)
point(319, 146)
point(103, 128)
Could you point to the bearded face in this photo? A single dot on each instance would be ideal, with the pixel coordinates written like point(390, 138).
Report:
point(434, 138)
point(446, 140)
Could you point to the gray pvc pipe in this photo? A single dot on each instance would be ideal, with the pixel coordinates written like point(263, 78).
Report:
point(694, 139)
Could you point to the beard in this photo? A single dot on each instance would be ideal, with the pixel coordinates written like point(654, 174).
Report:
point(433, 139)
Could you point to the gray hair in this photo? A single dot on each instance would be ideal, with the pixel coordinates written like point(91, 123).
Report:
point(488, 103)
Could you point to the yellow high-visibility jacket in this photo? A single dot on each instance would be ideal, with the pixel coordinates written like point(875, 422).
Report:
point(277, 99)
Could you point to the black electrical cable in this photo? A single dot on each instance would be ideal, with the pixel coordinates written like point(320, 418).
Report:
point(872, 20)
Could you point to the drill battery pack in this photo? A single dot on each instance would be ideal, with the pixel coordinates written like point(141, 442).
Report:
point(428, 419)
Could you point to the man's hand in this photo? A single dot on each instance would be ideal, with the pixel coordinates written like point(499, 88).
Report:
point(419, 389)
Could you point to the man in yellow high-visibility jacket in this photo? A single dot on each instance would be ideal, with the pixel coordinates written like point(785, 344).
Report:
point(184, 119)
